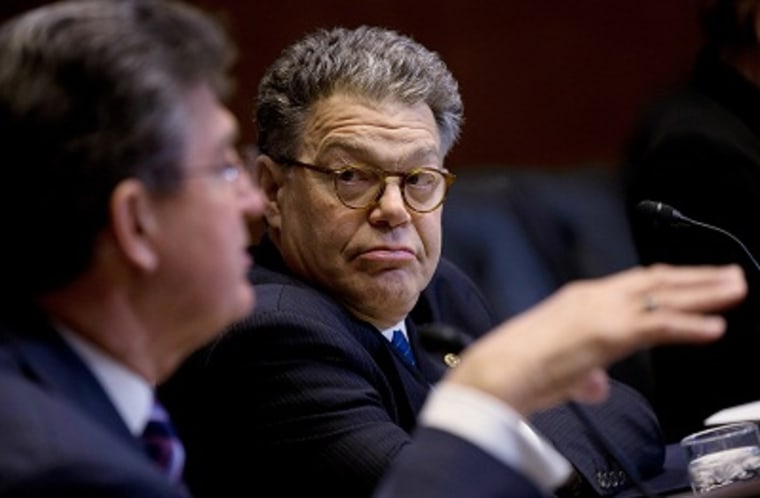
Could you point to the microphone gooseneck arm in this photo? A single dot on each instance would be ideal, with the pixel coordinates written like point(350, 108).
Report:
point(727, 234)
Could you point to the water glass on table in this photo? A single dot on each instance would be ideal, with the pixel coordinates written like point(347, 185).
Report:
point(723, 455)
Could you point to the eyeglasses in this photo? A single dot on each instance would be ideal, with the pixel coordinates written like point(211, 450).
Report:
point(230, 172)
point(227, 172)
point(358, 187)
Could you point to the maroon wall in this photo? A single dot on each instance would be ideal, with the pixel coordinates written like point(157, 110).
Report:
point(545, 83)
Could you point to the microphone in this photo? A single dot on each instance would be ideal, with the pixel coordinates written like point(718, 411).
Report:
point(443, 337)
point(663, 212)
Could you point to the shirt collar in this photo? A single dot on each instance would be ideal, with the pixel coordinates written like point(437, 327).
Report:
point(388, 333)
point(130, 393)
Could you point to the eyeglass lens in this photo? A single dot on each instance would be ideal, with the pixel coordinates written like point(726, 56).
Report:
point(423, 189)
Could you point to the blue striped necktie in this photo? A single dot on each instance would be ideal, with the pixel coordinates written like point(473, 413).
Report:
point(402, 345)
point(162, 444)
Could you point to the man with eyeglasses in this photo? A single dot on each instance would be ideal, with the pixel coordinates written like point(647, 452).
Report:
point(319, 390)
point(126, 243)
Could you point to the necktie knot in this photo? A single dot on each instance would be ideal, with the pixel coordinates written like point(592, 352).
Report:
point(401, 344)
point(162, 443)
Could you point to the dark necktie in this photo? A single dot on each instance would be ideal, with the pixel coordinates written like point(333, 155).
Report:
point(162, 444)
point(402, 345)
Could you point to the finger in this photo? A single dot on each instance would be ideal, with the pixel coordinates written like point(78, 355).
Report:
point(699, 297)
point(672, 326)
point(661, 276)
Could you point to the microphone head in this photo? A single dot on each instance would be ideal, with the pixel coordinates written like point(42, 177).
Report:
point(660, 212)
point(443, 337)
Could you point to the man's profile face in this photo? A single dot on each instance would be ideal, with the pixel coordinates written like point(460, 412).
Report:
point(203, 228)
point(378, 259)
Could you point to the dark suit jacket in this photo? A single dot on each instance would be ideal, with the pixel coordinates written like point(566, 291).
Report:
point(699, 150)
point(441, 465)
point(322, 403)
point(60, 436)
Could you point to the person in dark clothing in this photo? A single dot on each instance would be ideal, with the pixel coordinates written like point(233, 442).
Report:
point(698, 150)
point(118, 156)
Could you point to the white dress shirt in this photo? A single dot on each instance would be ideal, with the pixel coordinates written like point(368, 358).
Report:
point(130, 393)
point(388, 333)
point(493, 426)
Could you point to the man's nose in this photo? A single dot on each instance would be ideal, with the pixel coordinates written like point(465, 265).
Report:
point(390, 206)
point(251, 197)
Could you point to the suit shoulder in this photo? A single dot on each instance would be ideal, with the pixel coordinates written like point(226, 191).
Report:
point(51, 446)
point(286, 304)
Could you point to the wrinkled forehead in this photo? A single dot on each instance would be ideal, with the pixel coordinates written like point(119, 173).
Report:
point(388, 130)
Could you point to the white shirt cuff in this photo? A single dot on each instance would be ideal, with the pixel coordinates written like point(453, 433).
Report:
point(497, 429)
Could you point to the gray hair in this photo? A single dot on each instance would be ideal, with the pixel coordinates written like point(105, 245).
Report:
point(370, 62)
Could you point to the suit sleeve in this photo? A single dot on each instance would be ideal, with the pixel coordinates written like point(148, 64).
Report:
point(442, 465)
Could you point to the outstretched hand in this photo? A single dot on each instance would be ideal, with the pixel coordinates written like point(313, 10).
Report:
point(557, 351)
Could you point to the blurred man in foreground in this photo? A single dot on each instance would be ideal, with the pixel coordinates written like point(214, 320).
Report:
point(124, 211)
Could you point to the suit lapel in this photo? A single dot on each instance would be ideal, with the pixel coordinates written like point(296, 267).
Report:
point(429, 366)
point(46, 359)
point(415, 381)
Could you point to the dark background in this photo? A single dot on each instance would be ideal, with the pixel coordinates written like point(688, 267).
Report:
point(546, 84)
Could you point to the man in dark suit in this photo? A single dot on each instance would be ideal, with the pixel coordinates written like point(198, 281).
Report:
point(119, 157)
point(699, 151)
point(315, 390)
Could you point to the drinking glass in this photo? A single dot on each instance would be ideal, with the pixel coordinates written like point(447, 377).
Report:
point(723, 455)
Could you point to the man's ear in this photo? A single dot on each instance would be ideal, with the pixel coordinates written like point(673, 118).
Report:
point(134, 223)
point(271, 178)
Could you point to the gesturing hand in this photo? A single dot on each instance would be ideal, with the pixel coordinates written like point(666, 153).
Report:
point(558, 349)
